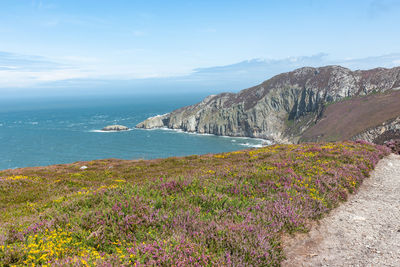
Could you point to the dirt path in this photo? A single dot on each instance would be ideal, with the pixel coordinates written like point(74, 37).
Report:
point(365, 231)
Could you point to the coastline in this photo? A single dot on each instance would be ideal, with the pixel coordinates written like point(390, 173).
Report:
point(146, 155)
point(206, 134)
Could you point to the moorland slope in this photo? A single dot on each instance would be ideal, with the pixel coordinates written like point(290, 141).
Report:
point(211, 210)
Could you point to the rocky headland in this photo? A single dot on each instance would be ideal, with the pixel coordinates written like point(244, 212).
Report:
point(284, 107)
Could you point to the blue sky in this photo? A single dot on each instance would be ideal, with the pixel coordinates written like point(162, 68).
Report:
point(47, 41)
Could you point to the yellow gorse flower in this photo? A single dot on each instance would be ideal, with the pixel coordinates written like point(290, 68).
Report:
point(18, 177)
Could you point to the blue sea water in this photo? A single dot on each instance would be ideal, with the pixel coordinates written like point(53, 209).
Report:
point(40, 132)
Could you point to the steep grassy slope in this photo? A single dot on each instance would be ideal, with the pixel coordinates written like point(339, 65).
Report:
point(345, 119)
point(223, 209)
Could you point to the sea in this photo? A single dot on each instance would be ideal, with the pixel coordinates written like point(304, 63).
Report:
point(44, 131)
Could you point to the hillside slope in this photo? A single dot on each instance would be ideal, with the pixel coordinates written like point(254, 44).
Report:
point(229, 209)
point(357, 116)
point(279, 109)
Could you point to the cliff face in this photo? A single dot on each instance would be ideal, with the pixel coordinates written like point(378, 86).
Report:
point(279, 109)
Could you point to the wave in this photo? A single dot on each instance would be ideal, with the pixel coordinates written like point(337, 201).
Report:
point(246, 138)
point(158, 115)
point(252, 145)
point(76, 124)
point(178, 131)
point(205, 134)
point(100, 116)
point(161, 129)
point(169, 129)
point(262, 141)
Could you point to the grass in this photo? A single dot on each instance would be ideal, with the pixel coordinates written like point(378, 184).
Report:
point(224, 209)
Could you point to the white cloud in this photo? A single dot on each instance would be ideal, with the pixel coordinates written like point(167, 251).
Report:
point(8, 67)
point(32, 71)
point(40, 4)
point(18, 70)
point(80, 59)
point(11, 78)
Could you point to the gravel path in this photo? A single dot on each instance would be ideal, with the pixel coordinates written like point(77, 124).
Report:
point(364, 231)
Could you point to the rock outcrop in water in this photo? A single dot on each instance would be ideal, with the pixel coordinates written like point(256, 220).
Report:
point(115, 128)
point(279, 109)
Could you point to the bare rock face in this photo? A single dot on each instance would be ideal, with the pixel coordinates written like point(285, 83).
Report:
point(115, 128)
point(158, 121)
point(281, 108)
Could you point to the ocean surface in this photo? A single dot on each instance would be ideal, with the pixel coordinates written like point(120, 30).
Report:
point(46, 131)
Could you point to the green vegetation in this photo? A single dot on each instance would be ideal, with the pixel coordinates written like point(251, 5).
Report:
point(224, 209)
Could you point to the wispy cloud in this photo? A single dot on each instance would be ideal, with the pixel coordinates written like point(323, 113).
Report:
point(26, 62)
point(15, 79)
point(18, 70)
point(42, 4)
point(257, 69)
point(79, 59)
point(385, 61)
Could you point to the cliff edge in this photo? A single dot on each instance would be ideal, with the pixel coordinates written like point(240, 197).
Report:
point(280, 109)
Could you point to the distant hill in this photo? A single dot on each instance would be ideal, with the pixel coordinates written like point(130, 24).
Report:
point(297, 106)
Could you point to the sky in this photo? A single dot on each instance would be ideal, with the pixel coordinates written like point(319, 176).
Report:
point(49, 43)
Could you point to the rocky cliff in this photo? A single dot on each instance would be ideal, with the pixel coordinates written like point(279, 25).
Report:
point(279, 109)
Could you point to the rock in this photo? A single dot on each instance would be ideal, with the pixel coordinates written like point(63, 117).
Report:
point(281, 108)
point(158, 121)
point(115, 128)
point(83, 167)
